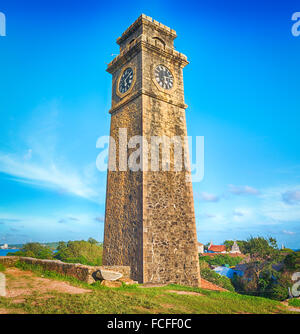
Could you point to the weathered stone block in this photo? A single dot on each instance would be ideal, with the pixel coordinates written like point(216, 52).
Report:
point(107, 275)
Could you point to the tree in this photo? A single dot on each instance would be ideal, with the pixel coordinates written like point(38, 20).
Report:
point(292, 261)
point(61, 246)
point(260, 277)
point(221, 259)
point(228, 244)
point(83, 252)
point(36, 250)
point(263, 254)
point(93, 241)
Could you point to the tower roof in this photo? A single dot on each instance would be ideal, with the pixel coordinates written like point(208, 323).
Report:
point(144, 19)
point(149, 33)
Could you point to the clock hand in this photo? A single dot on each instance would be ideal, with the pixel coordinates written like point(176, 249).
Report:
point(127, 76)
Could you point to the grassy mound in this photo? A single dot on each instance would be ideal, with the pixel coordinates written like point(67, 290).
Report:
point(134, 299)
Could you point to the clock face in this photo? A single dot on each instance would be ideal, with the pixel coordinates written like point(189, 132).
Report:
point(126, 80)
point(164, 77)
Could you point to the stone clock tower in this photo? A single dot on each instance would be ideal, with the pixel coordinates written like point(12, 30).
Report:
point(149, 218)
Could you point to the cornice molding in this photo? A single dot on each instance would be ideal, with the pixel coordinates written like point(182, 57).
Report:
point(140, 92)
point(144, 43)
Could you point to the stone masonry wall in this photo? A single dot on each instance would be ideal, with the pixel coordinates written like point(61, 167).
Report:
point(170, 239)
point(79, 271)
point(123, 217)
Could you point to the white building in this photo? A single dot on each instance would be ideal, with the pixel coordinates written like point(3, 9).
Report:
point(5, 246)
point(235, 248)
point(200, 248)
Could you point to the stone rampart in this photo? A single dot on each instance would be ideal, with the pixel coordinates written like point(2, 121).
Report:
point(81, 272)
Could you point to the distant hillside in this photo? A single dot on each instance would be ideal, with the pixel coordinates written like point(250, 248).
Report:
point(52, 245)
point(15, 246)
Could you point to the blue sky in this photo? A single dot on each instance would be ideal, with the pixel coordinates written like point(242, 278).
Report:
point(241, 86)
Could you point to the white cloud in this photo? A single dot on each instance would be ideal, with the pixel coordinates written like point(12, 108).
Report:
point(274, 207)
point(73, 219)
point(267, 209)
point(209, 197)
point(208, 215)
point(44, 163)
point(242, 190)
point(241, 212)
point(244, 215)
point(288, 232)
point(100, 219)
point(28, 154)
point(291, 197)
point(48, 175)
point(238, 213)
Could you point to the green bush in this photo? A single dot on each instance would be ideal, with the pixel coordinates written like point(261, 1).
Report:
point(292, 261)
point(84, 252)
point(221, 259)
point(271, 284)
point(34, 249)
point(2, 268)
point(277, 292)
point(239, 283)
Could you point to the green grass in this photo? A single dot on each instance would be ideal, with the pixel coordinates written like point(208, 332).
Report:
point(40, 271)
point(294, 302)
point(134, 299)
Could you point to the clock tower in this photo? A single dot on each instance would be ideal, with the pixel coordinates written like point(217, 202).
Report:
point(149, 215)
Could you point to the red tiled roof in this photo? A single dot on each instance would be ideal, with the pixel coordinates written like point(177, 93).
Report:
point(217, 248)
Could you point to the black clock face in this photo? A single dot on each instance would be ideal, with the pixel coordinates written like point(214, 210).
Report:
point(164, 77)
point(126, 80)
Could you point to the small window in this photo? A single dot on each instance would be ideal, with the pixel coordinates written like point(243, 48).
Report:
point(159, 42)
